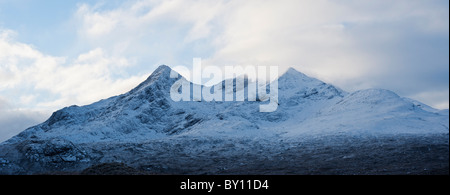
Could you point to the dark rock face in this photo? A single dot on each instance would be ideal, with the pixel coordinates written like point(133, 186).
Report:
point(52, 154)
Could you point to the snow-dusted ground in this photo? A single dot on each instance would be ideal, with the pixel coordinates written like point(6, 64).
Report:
point(316, 125)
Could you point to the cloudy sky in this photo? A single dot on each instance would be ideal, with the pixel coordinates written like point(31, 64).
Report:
point(57, 53)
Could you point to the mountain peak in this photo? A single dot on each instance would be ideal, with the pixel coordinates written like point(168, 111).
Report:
point(293, 75)
point(294, 82)
point(292, 72)
point(163, 71)
point(161, 76)
point(162, 68)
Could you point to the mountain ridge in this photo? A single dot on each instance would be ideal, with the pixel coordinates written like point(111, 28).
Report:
point(296, 91)
point(307, 107)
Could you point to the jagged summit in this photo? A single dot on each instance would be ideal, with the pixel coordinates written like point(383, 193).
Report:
point(291, 78)
point(292, 73)
point(291, 70)
point(293, 83)
point(294, 79)
point(160, 77)
point(161, 71)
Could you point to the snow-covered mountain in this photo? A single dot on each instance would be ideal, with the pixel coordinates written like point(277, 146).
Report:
point(133, 126)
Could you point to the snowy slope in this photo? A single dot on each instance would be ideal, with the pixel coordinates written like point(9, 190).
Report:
point(374, 112)
point(307, 107)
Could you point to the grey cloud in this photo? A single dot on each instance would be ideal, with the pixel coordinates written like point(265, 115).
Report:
point(13, 122)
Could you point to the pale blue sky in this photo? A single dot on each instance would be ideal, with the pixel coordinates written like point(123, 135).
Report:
point(55, 53)
point(40, 22)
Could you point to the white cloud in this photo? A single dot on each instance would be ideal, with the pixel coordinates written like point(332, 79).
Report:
point(95, 24)
point(156, 32)
point(86, 79)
